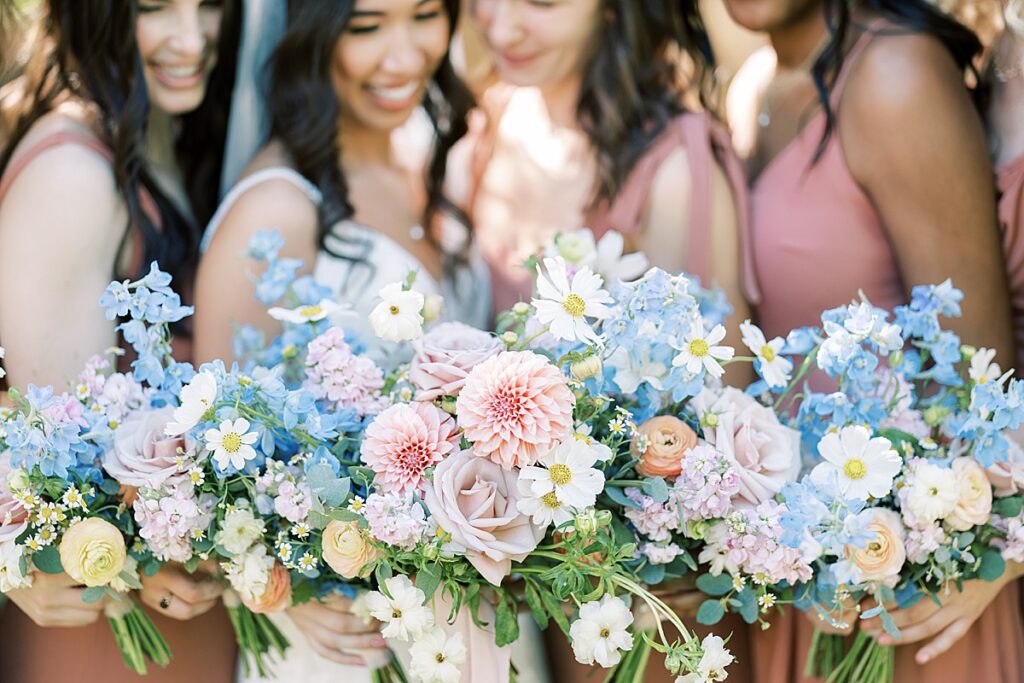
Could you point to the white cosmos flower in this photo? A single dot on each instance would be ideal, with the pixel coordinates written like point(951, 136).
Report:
point(865, 465)
point(713, 662)
point(612, 265)
point(231, 443)
point(197, 397)
point(436, 658)
point(565, 306)
point(399, 315)
point(543, 510)
point(932, 492)
point(775, 368)
point(11, 575)
point(403, 616)
point(699, 350)
point(568, 472)
point(310, 314)
point(601, 634)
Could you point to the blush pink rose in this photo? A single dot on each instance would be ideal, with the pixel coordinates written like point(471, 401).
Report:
point(884, 555)
point(475, 500)
point(13, 517)
point(444, 357)
point(764, 452)
point(1007, 476)
point(142, 455)
point(277, 596)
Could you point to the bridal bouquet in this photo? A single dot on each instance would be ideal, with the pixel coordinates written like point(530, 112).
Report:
point(65, 504)
point(913, 492)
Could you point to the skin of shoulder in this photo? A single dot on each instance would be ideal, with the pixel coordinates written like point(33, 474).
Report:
point(225, 293)
point(915, 143)
point(61, 226)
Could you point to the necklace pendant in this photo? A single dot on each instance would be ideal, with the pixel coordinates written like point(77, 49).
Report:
point(764, 119)
point(416, 233)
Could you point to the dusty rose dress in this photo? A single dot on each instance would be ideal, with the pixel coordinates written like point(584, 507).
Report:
point(203, 649)
point(1010, 178)
point(817, 241)
point(706, 143)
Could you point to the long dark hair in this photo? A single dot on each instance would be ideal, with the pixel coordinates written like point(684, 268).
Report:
point(304, 112)
point(90, 53)
point(631, 89)
point(917, 16)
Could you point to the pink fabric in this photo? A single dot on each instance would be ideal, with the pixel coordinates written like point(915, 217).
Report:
point(485, 661)
point(705, 141)
point(817, 241)
point(1010, 178)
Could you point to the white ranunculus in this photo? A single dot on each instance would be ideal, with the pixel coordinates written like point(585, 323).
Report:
point(601, 633)
point(436, 658)
point(403, 616)
point(932, 493)
point(239, 531)
point(399, 315)
point(197, 397)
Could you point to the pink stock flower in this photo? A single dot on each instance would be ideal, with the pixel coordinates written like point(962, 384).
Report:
point(476, 501)
point(293, 501)
point(445, 356)
point(514, 407)
point(142, 455)
point(404, 440)
point(395, 519)
point(336, 374)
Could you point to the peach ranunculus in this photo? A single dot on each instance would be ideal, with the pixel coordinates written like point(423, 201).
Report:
point(884, 555)
point(1007, 476)
point(475, 501)
point(444, 357)
point(142, 456)
point(975, 504)
point(764, 452)
point(278, 594)
point(668, 439)
point(346, 549)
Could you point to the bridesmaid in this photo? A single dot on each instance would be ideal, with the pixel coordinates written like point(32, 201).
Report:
point(837, 126)
point(112, 163)
point(589, 129)
point(365, 106)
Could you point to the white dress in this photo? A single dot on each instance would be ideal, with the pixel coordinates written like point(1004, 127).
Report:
point(362, 262)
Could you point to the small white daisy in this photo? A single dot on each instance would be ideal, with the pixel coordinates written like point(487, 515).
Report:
point(310, 314)
point(231, 443)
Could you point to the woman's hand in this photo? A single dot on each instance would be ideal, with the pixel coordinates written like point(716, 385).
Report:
point(337, 634)
point(948, 622)
point(177, 594)
point(56, 600)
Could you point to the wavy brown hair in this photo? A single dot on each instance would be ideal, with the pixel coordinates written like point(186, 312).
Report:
point(305, 112)
point(89, 52)
point(631, 85)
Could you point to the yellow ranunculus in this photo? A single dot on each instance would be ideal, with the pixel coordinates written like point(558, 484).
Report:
point(345, 548)
point(92, 552)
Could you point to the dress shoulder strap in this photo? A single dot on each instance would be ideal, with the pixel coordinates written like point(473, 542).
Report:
point(57, 139)
point(868, 33)
point(258, 178)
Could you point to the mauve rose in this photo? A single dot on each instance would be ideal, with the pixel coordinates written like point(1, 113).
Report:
point(475, 500)
point(142, 456)
point(444, 357)
point(277, 596)
point(765, 453)
point(13, 517)
point(1007, 476)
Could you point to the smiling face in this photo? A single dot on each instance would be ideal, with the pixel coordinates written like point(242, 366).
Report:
point(770, 15)
point(177, 42)
point(386, 57)
point(539, 42)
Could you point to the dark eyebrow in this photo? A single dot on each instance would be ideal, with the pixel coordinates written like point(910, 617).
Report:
point(359, 14)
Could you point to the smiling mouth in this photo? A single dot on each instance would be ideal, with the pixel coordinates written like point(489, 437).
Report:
point(179, 76)
point(396, 94)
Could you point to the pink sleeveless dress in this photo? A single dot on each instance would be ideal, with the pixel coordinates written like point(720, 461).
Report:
point(817, 241)
point(1010, 178)
point(203, 649)
point(706, 143)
